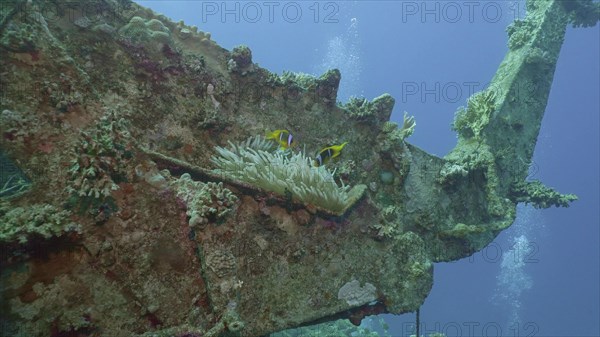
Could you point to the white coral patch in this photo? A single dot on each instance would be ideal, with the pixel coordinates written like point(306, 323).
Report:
point(355, 295)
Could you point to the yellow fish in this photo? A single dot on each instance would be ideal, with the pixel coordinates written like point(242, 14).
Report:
point(283, 137)
point(328, 153)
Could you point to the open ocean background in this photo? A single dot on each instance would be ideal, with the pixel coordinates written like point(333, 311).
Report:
point(541, 277)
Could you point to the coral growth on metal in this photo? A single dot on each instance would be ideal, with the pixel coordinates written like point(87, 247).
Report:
point(122, 225)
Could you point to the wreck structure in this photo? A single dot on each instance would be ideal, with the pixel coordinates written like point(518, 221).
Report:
point(137, 198)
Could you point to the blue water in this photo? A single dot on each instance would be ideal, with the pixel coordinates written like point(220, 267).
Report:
point(539, 278)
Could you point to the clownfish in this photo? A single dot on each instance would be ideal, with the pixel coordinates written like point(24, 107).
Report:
point(328, 153)
point(283, 137)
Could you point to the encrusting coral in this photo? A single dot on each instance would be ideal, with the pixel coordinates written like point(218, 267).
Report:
point(20, 224)
point(472, 120)
point(205, 201)
point(375, 327)
point(399, 134)
point(540, 196)
point(392, 136)
point(260, 240)
point(361, 108)
point(138, 30)
point(100, 157)
point(389, 225)
point(241, 60)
